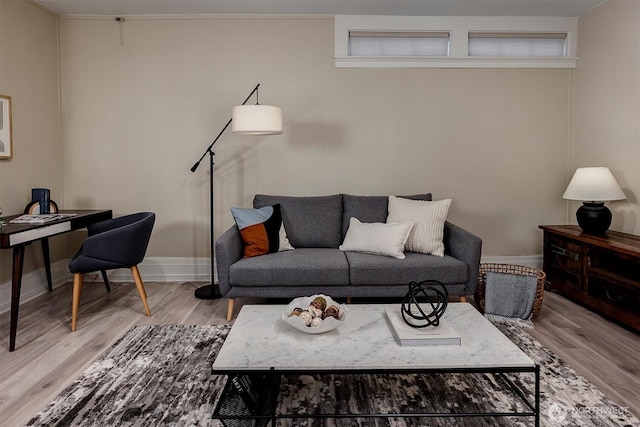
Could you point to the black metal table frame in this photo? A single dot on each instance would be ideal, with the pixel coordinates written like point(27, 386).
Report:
point(273, 375)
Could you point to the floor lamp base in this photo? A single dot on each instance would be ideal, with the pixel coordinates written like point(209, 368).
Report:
point(208, 292)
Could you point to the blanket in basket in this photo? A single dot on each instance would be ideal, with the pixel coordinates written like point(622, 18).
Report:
point(509, 297)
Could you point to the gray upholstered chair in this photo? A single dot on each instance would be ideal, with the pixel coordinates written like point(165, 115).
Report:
point(115, 243)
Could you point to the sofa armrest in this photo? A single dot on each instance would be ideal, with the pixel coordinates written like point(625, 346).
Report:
point(228, 251)
point(467, 247)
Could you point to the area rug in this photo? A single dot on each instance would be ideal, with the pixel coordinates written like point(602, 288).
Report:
point(161, 376)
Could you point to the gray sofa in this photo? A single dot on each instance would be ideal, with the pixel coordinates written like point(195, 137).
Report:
point(316, 226)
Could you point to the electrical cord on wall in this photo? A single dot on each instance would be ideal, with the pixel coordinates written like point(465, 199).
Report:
point(120, 20)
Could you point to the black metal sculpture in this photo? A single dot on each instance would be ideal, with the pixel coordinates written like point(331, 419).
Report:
point(428, 293)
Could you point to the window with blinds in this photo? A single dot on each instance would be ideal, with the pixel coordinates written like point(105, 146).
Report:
point(455, 41)
point(398, 44)
point(518, 45)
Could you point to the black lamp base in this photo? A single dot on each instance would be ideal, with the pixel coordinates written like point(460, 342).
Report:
point(594, 217)
point(208, 292)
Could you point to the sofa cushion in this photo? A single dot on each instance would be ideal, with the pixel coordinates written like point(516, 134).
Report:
point(429, 218)
point(311, 222)
point(377, 238)
point(367, 269)
point(369, 208)
point(304, 266)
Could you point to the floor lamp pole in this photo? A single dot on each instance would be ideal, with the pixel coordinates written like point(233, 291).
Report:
point(210, 291)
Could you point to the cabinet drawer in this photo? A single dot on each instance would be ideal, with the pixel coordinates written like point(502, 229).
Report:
point(613, 294)
point(619, 302)
point(564, 254)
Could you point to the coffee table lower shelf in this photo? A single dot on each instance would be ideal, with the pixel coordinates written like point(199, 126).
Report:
point(250, 398)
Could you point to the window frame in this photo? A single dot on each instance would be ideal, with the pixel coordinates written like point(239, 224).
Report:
point(458, 28)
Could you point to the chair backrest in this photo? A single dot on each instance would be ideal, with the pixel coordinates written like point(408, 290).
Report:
point(122, 240)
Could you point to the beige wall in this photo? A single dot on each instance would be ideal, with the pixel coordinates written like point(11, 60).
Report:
point(606, 103)
point(502, 143)
point(136, 117)
point(29, 74)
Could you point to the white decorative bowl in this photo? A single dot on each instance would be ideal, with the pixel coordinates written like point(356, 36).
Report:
point(328, 324)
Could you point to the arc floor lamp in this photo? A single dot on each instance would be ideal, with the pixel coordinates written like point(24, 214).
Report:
point(253, 119)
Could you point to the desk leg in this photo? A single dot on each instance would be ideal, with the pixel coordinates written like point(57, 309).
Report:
point(47, 261)
point(16, 284)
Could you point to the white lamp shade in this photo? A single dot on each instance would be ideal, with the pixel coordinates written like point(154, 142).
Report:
point(256, 120)
point(594, 184)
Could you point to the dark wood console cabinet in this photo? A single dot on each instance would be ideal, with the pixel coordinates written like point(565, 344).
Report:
point(601, 272)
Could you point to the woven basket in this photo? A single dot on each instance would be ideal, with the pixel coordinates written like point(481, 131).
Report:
point(511, 269)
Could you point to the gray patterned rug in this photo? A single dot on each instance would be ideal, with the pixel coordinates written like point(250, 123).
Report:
point(160, 376)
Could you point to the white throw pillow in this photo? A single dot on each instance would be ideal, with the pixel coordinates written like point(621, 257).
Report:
point(429, 217)
point(376, 238)
point(284, 244)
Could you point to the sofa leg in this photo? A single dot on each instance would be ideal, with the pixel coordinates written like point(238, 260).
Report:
point(230, 309)
point(348, 300)
point(463, 298)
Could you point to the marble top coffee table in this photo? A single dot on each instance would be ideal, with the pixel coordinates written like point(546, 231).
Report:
point(260, 347)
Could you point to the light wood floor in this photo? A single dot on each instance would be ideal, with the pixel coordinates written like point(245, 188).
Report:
point(48, 356)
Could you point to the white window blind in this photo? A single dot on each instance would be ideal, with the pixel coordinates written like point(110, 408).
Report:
point(455, 41)
point(394, 44)
point(530, 45)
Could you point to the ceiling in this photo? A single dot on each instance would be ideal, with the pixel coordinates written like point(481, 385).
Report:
point(329, 7)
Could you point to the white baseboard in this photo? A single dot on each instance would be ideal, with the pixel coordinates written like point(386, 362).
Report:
point(164, 269)
point(534, 261)
point(34, 284)
point(159, 269)
point(168, 269)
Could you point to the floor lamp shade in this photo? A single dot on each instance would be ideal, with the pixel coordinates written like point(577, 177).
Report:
point(593, 186)
point(256, 120)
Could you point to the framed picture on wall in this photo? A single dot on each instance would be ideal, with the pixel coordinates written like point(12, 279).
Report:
point(6, 140)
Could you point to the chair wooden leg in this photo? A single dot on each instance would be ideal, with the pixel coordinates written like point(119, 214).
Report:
point(77, 291)
point(463, 298)
point(141, 290)
point(230, 309)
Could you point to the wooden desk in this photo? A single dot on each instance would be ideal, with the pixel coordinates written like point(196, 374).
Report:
point(18, 236)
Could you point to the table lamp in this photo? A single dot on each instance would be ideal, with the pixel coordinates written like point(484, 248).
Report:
point(593, 186)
